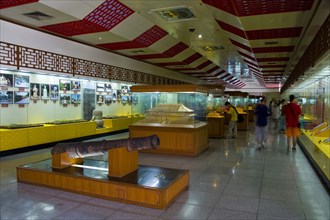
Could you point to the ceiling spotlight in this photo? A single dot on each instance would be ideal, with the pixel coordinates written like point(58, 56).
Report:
point(199, 36)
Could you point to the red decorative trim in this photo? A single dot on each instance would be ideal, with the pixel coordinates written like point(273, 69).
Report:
point(231, 29)
point(13, 3)
point(273, 33)
point(272, 49)
point(74, 28)
point(240, 45)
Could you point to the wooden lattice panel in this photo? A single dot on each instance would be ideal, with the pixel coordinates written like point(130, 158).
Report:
point(30, 58)
point(8, 54)
point(48, 61)
point(64, 64)
point(20, 56)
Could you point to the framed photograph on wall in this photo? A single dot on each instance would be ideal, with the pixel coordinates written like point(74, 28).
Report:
point(99, 99)
point(54, 92)
point(108, 87)
point(65, 99)
point(100, 87)
point(124, 89)
point(114, 95)
point(65, 85)
point(21, 81)
point(44, 91)
point(75, 98)
point(135, 99)
point(6, 80)
point(75, 85)
point(124, 99)
point(108, 99)
point(35, 91)
point(21, 97)
point(6, 97)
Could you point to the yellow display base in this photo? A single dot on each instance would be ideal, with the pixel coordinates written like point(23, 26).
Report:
point(317, 150)
point(24, 137)
point(124, 190)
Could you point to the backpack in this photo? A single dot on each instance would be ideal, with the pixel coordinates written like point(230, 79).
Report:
point(240, 117)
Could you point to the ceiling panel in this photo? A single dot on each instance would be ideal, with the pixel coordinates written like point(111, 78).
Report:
point(231, 42)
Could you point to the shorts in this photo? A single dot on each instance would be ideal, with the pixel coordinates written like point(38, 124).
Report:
point(292, 131)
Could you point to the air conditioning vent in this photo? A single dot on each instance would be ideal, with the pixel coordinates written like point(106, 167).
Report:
point(178, 13)
point(37, 15)
point(212, 48)
point(271, 42)
point(138, 51)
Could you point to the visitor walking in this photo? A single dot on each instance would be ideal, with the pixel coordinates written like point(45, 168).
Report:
point(262, 112)
point(292, 112)
point(232, 127)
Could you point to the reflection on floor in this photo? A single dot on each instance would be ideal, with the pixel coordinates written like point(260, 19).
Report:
point(231, 180)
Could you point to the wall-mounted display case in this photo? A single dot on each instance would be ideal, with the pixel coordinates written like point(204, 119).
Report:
point(176, 113)
point(38, 108)
point(315, 144)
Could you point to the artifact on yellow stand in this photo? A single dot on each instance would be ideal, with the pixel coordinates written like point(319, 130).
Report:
point(98, 118)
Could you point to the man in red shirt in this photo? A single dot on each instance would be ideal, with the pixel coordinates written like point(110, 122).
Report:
point(292, 111)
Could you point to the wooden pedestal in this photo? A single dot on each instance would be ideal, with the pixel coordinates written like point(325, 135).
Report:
point(216, 126)
point(174, 140)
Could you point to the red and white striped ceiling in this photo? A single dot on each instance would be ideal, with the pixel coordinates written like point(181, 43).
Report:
point(241, 40)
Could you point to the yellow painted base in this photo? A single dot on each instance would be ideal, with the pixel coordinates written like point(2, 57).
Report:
point(159, 198)
point(318, 150)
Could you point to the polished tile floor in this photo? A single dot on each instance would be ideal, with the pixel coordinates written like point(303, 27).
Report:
point(231, 180)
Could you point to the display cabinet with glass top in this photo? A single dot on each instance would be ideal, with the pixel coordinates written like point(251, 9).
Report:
point(176, 113)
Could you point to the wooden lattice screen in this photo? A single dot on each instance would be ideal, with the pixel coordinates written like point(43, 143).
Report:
point(20, 56)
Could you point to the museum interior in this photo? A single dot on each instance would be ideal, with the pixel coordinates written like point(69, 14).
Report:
point(115, 109)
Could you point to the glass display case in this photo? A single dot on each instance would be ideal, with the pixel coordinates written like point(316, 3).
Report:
point(175, 113)
point(171, 109)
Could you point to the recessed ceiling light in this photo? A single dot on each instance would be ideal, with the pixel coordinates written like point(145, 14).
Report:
point(200, 36)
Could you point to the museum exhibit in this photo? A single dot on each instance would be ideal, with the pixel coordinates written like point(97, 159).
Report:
point(115, 109)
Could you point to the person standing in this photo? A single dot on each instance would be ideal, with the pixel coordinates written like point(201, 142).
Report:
point(282, 118)
point(276, 113)
point(232, 127)
point(262, 112)
point(292, 112)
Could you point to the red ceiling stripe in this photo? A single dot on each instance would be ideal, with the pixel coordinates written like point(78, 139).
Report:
point(176, 49)
point(273, 71)
point(192, 58)
point(272, 66)
point(122, 45)
point(219, 73)
point(241, 45)
point(8, 3)
point(151, 36)
point(247, 56)
point(253, 68)
point(109, 14)
point(171, 64)
point(242, 8)
point(274, 33)
point(273, 59)
point(205, 64)
point(248, 62)
point(231, 29)
point(183, 69)
point(74, 28)
point(273, 49)
point(213, 69)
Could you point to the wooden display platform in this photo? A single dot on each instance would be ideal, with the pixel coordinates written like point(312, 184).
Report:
point(174, 140)
point(216, 126)
point(147, 186)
